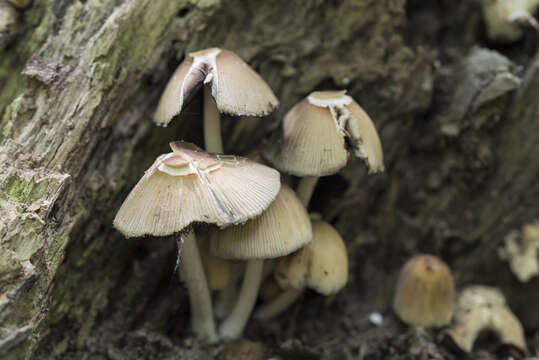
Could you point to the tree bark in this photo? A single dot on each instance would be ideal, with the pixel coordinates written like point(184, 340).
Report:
point(78, 87)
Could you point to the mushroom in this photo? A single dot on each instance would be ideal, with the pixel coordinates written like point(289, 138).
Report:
point(425, 292)
point(237, 89)
point(189, 186)
point(283, 228)
point(483, 308)
point(315, 136)
point(322, 265)
point(505, 19)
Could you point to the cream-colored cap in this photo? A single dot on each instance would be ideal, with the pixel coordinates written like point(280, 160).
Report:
point(425, 292)
point(483, 308)
point(322, 265)
point(189, 185)
point(283, 228)
point(317, 131)
point(237, 89)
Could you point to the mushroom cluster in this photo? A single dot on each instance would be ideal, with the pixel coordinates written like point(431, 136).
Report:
point(252, 217)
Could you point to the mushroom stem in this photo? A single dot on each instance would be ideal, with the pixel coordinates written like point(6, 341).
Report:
point(225, 298)
point(212, 124)
point(199, 295)
point(233, 325)
point(278, 305)
point(305, 189)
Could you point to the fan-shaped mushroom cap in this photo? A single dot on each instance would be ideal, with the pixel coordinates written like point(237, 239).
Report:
point(237, 89)
point(425, 292)
point(322, 265)
point(189, 185)
point(317, 131)
point(483, 308)
point(283, 228)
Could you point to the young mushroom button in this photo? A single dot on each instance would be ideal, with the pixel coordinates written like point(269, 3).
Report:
point(322, 265)
point(189, 186)
point(425, 292)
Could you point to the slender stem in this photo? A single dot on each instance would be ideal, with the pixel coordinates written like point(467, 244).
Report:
point(212, 124)
point(305, 189)
point(225, 298)
point(233, 325)
point(277, 306)
point(192, 273)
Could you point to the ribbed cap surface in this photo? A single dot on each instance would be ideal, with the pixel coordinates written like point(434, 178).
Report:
point(189, 186)
point(425, 292)
point(316, 132)
point(237, 89)
point(322, 265)
point(283, 228)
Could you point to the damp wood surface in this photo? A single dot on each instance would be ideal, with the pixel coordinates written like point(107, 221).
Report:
point(457, 117)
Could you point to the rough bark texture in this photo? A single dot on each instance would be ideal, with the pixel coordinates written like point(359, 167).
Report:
point(79, 84)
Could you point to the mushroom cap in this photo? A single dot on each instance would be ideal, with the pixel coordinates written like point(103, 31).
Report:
point(237, 89)
point(483, 308)
point(317, 131)
point(425, 292)
point(190, 186)
point(217, 270)
point(283, 228)
point(322, 265)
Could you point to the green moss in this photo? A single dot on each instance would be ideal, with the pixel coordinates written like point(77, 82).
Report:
point(25, 191)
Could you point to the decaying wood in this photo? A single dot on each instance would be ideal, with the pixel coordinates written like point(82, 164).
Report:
point(81, 80)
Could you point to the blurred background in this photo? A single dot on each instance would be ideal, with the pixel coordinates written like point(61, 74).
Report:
point(457, 112)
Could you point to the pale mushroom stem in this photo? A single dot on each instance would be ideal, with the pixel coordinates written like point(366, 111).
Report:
point(192, 271)
point(233, 325)
point(225, 298)
point(277, 306)
point(212, 124)
point(305, 189)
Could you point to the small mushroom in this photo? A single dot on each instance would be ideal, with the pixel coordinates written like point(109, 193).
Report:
point(322, 265)
point(505, 19)
point(189, 186)
point(483, 308)
point(425, 292)
point(283, 228)
point(237, 89)
point(315, 135)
